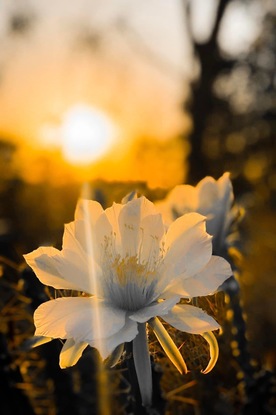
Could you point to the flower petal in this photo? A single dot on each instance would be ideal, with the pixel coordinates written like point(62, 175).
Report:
point(107, 345)
point(215, 201)
point(152, 231)
point(69, 240)
point(183, 199)
point(90, 207)
point(44, 262)
point(213, 191)
point(93, 229)
point(168, 345)
point(112, 215)
point(36, 341)
point(115, 356)
point(214, 351)
point(180, 200)
point(206, 282)
point(70, 353)
point(210, 198)
point(61, 269)
point(189, 246)
point(92, 235)
point(82, 319)
point(130, 218)
point(190, 319)
point(158, 309)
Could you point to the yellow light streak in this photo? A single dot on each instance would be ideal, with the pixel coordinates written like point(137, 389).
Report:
point(102, 379)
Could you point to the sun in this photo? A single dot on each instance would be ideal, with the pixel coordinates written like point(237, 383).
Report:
point(86, 134)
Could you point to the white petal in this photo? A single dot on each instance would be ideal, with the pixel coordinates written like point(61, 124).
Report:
point(62, 269)
point(168, 214)
point(183, 225)
point(112, 215)
point(89, 208)
point(215, 201)
point(152, 231)
point(190, 319)
point(115, 356)
point(189, 246)
point(92, 236)
point(102, 229)
point(208, 194)
point(82, 319)
point(90, 261)
point(86, 273)
point(45, 262)
point(70, 353)
point(226, 187)
point(129, 196)
point(143, 315)
point(206, 282)
point(69, 240)
point(126, 334)
point(81, 230)
point(131, 215)
point(91, 228)
point(183, 199)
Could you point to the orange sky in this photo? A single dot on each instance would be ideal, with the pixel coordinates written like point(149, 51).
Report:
point(136, 71)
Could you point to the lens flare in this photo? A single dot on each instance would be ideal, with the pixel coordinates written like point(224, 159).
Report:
point(87, 134)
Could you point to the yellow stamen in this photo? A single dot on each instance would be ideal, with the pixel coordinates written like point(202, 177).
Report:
point(130, 270)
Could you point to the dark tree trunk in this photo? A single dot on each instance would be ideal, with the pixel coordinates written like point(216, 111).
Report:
point(202, 98)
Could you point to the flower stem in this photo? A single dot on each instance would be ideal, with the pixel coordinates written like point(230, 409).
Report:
point(143, 365)
point(134, 403)
point(136, 406)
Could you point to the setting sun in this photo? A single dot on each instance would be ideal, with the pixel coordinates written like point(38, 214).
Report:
point(86, 134)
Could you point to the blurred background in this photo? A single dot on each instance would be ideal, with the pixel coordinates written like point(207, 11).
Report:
point(139, 95)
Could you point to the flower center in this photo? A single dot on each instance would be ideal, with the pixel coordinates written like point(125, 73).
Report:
point(130, 285)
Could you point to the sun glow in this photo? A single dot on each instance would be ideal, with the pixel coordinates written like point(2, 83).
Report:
point(86, 134)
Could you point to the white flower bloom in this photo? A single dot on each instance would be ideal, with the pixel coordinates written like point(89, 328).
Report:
point(132, 270)
point(211, 198)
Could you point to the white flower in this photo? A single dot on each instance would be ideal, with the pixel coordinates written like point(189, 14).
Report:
point(132, 270)
point(211, 198)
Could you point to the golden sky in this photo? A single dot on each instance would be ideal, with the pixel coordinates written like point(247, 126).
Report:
point(122, 58)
